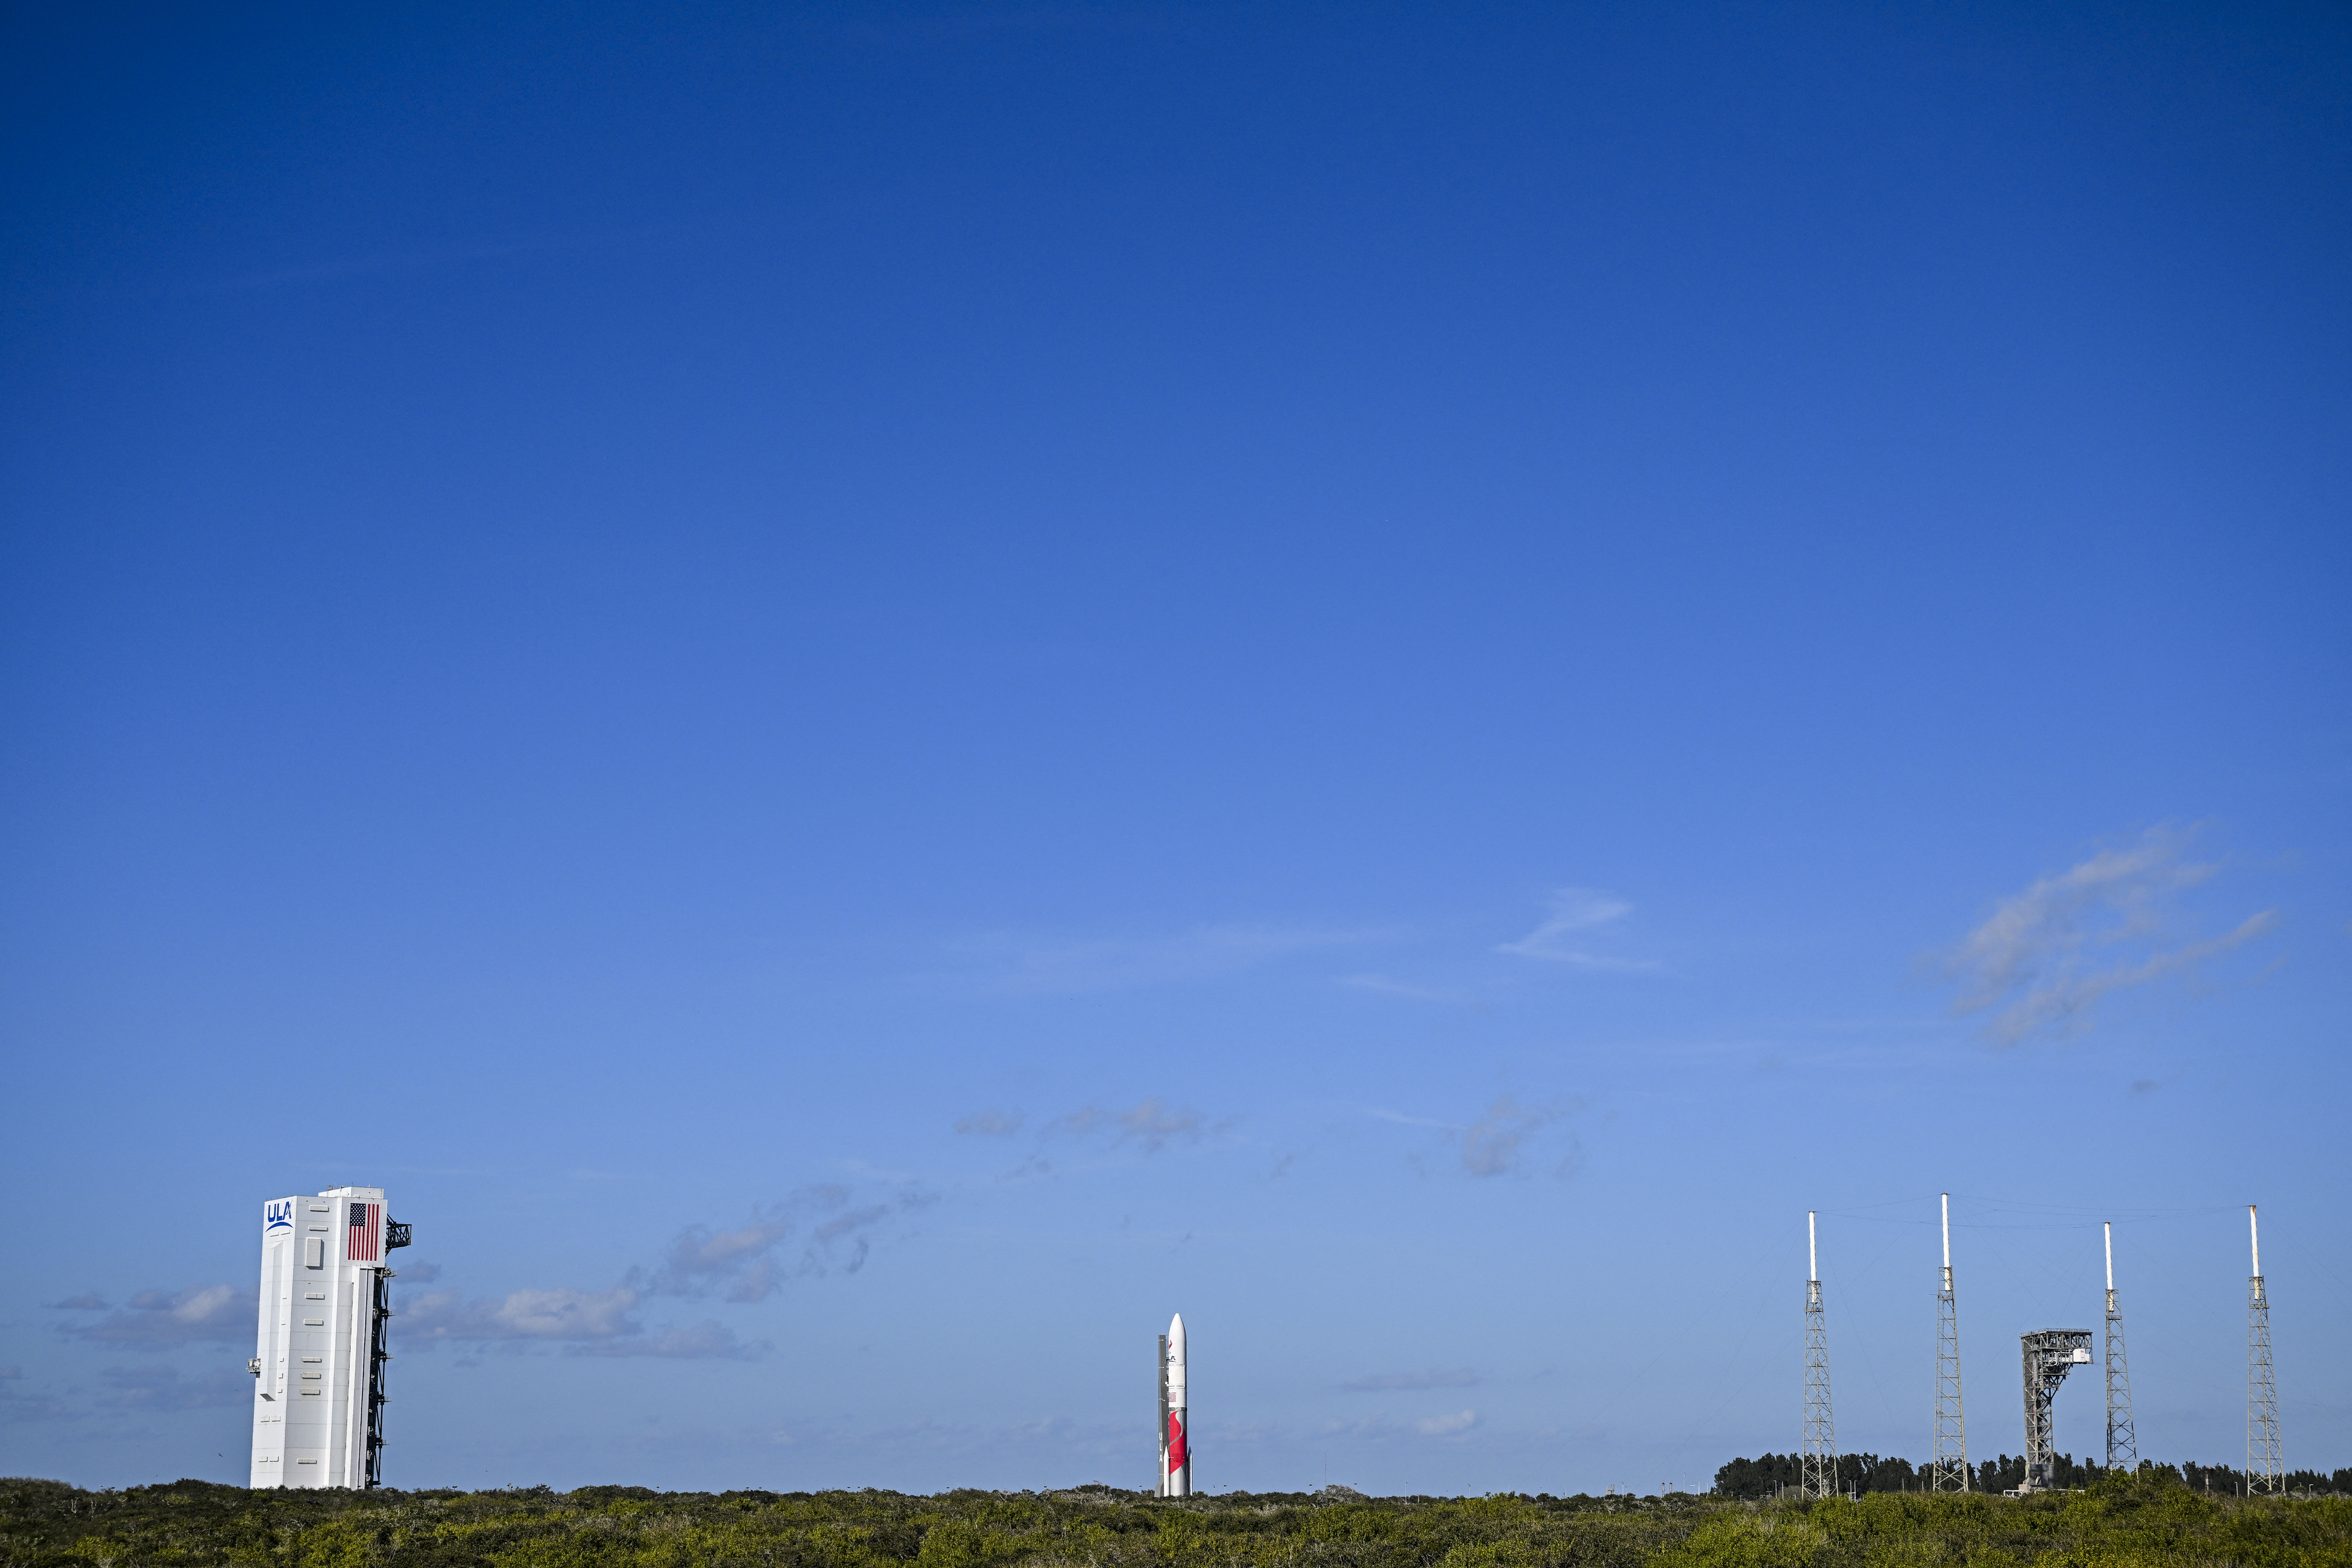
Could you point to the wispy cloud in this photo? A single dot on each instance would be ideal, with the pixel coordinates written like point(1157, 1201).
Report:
point(1564, 935)
point(1452, 1377)
point(584, 1322)
point(176, 1316)
point(737, 1262)
point(1151, 1124)
point(1048, 966)
point(557, 1315)
point(19, 1402)
point(706, 1340)
point(162, 1388)
point(2046, 955)
point(87, 1301)
point(1379, 1426)
point(989, 1123)
point(1493, 1144)
point(747, 1264)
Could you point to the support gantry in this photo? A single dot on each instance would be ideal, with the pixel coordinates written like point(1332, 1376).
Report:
point(2050, 1355)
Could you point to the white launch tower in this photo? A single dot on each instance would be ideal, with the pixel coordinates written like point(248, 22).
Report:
point(318, 1398)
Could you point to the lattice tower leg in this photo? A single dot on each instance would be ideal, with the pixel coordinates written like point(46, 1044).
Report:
point(2265, 1471)
point(1821, 1433)
point(1949, 1470)
point(2123, 1444)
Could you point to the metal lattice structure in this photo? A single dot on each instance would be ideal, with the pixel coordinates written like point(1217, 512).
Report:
point(2123, 1444)
point(1949, 1472)
point(2265, 1470)
point(1821, 1432)
point(1159, 1481)
point(2050, 1355)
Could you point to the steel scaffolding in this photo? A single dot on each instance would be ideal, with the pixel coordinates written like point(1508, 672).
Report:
point(1949, 1470)
point(2050, 1355)
point(1821, 1433)
point(2265, 1470)
point(2123, 1445)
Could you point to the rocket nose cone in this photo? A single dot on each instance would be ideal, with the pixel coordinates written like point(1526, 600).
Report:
point(1176, 1333)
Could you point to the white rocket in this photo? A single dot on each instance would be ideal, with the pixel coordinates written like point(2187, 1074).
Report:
point(1176, 1436)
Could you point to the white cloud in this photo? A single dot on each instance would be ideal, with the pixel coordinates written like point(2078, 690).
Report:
point(1452, 1426)
point(1562, 938)
point(2046, 955)
point(177, 1317)
point(989, 1123)
point(557, 1314)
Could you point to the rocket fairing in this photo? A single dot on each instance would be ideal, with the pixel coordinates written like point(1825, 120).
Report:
point(1176, 1441)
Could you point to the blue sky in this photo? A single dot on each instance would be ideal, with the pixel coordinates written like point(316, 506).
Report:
point(870, 694)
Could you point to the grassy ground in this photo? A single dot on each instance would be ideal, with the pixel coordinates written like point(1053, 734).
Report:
point(2122, 1523)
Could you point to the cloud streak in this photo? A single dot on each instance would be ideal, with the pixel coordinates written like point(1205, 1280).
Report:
point(2047, 956)
point(549, 1315)
point(1151, 1124)
point(162, 1388)
point(1493, 1144)
point(706, 1341)
point(1563, 936)
point(747, 1264)
point(173, 1317)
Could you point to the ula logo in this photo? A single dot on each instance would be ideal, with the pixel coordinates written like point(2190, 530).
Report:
point(278, 1216)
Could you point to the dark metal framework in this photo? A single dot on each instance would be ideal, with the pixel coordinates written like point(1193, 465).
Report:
point(379, 1323)
point(1820, 1473)
point(2050, 1355)
point(1949, 1470)
point(2123, 1443)
point(2265, 1471)
point(1160, 1481)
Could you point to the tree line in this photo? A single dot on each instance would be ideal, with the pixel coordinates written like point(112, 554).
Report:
point(1772, 1475)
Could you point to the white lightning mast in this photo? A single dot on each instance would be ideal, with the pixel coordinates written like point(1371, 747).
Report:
point(2264, 1472)
point(1949, 1472)
point(1820, 1434)
point(2123, 1444)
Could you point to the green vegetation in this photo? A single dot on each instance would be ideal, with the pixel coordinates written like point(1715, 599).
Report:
point(1773, 1475)
point(2122, 1522)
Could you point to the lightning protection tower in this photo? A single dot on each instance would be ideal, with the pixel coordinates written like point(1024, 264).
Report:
point(2123, 1445)
point(1821, 1433)
point(2263, 1471)
point(2050, 1355)
point(1949, 1470)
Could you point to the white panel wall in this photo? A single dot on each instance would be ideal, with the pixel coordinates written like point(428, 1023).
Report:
point(310, 1398)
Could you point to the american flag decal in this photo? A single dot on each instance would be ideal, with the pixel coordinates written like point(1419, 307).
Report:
point(365, 1234)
